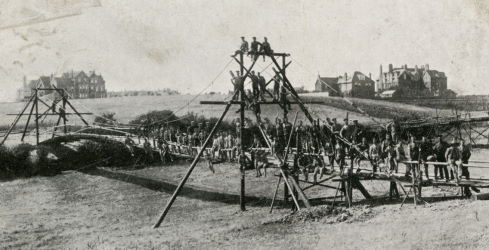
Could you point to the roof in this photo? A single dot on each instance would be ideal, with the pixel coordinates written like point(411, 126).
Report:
point(328, 80)
point(436, 73)
point(63, 81)
point(349, 77)
point(42, 82)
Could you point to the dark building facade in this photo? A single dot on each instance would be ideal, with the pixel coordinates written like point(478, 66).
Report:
point(411, 82)
point(357, 85)
point(327, 84)
point(78, 85)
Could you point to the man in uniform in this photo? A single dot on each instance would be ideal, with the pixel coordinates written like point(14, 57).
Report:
point(235, 81)
point(266, 48)
point(287, 131)
point(299, 134)
point(465, 156)
point(425, 152)
point(191, 128)
point(439, 150)
point(276, 88)
point(345, 131)
point(279, 137)
point(283, 97)
point(262, 84)
point(340, 153)
point(356, 130)
point(255, 83)
point(413, 155)
point(254, 48)
point(363, 147)
point(336, 127)
point(148, 150)
point(374, 153)
point(453, 155)
point(243, 48)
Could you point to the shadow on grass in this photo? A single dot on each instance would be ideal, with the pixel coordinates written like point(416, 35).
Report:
point(207, 194)
point(190, 191)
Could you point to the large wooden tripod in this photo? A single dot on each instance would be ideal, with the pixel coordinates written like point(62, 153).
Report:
point(290, 183)
point(34, 102)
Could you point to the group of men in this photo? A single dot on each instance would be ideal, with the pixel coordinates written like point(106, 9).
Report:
point(258, 87)
point(312, 151)
point(255, 48)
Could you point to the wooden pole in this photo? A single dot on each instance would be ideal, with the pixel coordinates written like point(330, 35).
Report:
point(191, 168)
point(242, 198)
point(275, 193)
point(36, 102)
point(71, 106)
point(27, 123)
point(16, 121)
point(64, 110)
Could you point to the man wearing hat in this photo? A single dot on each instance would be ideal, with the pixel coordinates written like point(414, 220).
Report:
point(255, 83)
point(439, 150)
point(425, 151)
point(266, 49)
point(465, 156)
point(243, 48)
point(453, 157)
point(262, 83)
point(356, 131)
point(254, 48)
point(335, 125)
point(346, 130)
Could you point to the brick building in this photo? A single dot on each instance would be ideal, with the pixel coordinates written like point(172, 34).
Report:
point(327, 84)
point(357, 85)
point(77, 84)
point(411, 82)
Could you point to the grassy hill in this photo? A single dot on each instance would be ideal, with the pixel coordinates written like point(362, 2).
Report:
point(128, 107)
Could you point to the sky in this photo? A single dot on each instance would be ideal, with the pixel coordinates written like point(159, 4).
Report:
point(186, 45)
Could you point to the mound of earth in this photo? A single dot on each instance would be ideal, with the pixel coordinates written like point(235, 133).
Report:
point(326, 214)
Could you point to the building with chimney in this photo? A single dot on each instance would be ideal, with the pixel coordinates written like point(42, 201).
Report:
point(78, 85)
point(357, 84)
point(327, 85)
point(410, 82)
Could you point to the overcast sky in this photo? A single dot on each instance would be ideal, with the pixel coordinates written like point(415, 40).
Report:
point(184, 44)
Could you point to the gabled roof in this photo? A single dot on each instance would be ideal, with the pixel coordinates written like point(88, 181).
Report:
point(45, 79)
point(63, 81)
point(328, 80)
point(349, 77)
point(42, 82)
point(435, 74)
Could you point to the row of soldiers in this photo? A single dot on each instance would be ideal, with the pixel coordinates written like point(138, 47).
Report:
point(312, 152)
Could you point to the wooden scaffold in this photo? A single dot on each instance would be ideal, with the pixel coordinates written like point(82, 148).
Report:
point(291, 182)
point(62, 100)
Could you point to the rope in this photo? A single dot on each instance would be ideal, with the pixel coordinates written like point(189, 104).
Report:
point(342, 96)
point(195, 97)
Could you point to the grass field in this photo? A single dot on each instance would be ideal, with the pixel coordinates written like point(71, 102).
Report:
point(115, 208)
point(127, 108)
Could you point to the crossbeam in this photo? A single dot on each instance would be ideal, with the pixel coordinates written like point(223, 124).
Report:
point(259, 102)
point(267, 54)
point(57, 114)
